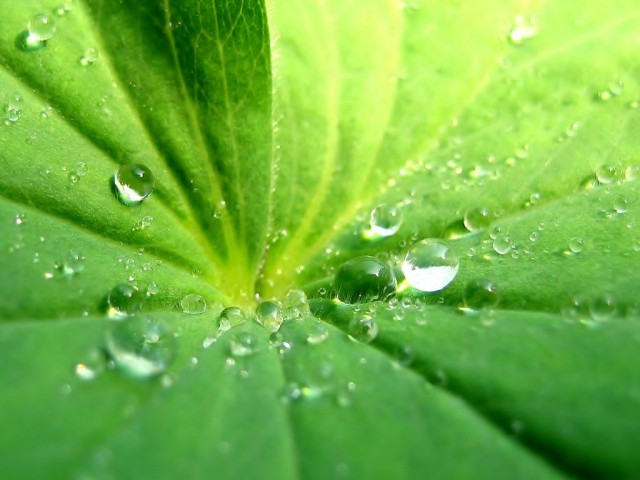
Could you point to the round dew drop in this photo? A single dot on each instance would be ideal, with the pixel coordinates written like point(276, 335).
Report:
point(480, 294)
point(242, 345)
point(363, 328)
point(141, 348)
point(430, 265)
point(133, 183)
point(41, 27)
point(477, 219)
point(89, 58)
point(124, 300)
point(318, 334)
point(364, 279)
point(385, 220)
point(230, 317)
point(502, 244)
point(269, 316)
point(193, 304)
point(576, 244)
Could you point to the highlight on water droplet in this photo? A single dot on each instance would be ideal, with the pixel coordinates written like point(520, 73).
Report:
point(124, 300)
point(480, 294)
point(193, 304)
point(430, 265)
point(364, 279)
point(133, 183)
point(141, 347)
point(384, 221)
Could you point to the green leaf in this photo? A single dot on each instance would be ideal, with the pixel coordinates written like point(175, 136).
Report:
point(273, 129)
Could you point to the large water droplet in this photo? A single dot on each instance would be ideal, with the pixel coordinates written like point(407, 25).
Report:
point(141, 347)
point(364, 279)
point(385, 220)
point(430, 265)
point(269, 316)
point(133, 183)
point(480, 294)
point(193, 304)
point(124, 300)
point(41, 27)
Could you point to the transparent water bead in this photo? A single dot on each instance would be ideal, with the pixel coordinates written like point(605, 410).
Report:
point(141, 347)
point(242, 345)
point(430, 265)
point(364, 279)
point(124, 300)
point(133, 183)
point(269, 316)
point(193, 304)
point(41, 27)
point(363, 328)
point(477, 219)
point(606, 174)
point(385, 220)
point(603, 307)
point(296, 304)
point(576, 244)
point(71, 264)
point(91, 367)
point(502, 244)
point(89, 57)
point(480, 294)
point(230, 317)
point(64, 8)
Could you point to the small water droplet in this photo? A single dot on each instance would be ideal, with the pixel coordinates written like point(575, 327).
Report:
point(89, 57)
point(124, 300)
point(363, 328)
point(430, 265)
point(141, 347)
point(317, 334)
point(295, 304)
point(576, 244)
point(71, 264)
point(291, 393)
point(480, 294)
point(20, 218)
point(133, 183)
point(242, 344)
point(363, 279)
point(477, 219)
point(193, 304)
point(41, 27)
point(385, 220)
point(92, 367)
point(502, 244)
point(63, 8)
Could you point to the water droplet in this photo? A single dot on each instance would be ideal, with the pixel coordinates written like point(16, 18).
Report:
point(242, 344)
point(64, 8)
point(480, 294)
point(576, 244)
point(230, 317)
point(363, 328)
point(502, 244)
point(141, 347)
point(193, 304)
point(12, 110)
point(269, 316)
point(133, 183)
point(41, 27)
point(477, 219)
point(632, 173)
point(606, 174)
point(124, 300)
point(291, 393)
point(523, 29)
point(144, 223)
point(430, 265)
point(72, 264)
point(363, 279)
point(20, 218)
point(89, 57)
point(317, 334)
point(603, 307)
point(295, 304)
point(92, 367)
point(385, 220)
